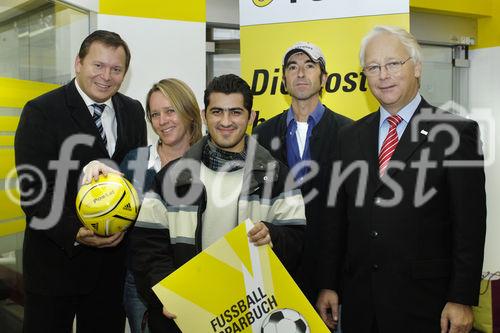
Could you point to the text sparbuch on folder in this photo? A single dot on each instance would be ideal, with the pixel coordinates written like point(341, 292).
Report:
point(235, 286)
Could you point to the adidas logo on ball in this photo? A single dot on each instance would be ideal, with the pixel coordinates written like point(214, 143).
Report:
point(108, 205)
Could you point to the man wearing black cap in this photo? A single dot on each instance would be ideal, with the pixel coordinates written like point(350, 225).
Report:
point(304, 137)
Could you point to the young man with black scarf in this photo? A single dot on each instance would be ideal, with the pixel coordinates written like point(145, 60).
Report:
point(222, 180)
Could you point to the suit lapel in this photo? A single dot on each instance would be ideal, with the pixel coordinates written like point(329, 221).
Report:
point(282, 130)
point(80, 113)
point(368, 139)
point(117, 105)
point(316, 143)
point(414, 135)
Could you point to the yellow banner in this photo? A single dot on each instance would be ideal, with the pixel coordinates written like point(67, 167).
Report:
point(175, 10)
point(235, 286)
point(346, 90)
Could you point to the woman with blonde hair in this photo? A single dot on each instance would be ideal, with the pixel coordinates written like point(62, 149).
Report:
point(174, 115)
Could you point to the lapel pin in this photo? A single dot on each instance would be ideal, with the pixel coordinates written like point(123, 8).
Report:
point(424, 132)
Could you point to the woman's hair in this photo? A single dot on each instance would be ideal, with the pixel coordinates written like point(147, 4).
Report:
point(184, 103)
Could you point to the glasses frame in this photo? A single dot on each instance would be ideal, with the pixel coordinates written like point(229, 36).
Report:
point(396, 67)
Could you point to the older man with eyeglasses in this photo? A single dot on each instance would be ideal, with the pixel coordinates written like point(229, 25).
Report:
point(408, 256)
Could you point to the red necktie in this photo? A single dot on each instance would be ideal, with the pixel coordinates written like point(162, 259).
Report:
point(389, 145)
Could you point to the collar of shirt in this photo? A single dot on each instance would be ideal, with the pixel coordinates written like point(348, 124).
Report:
point(315, 116)
point(154, 158)
point(89, 101)
point(292, 146)
point(406, 113)
point(108, 119)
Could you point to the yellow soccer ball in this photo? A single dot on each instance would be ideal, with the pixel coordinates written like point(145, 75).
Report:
point(108, 205)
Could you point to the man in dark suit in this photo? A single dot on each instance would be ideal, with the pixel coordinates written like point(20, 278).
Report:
point(305, 134)
point(68, 270)
point(406, 233)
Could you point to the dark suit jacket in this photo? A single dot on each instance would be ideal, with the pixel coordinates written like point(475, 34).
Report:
point(52, 264)
point(322, 144)
point(402, 263)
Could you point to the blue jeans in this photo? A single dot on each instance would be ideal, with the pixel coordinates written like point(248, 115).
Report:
point(134, 305)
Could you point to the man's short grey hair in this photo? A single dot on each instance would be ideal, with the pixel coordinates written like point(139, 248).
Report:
point(407, 39)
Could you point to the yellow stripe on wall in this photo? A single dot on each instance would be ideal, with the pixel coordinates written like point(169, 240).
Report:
point(7, 161)
point(8, 123)
point(476, 8)
point(193, 10)
point(9, 209)
point(6, 140)
point(15, 93)
point(12, 227)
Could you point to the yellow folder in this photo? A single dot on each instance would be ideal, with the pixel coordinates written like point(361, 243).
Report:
point(235, 286)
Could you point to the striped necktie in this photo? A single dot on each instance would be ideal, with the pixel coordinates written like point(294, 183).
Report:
point(98, 110)
point(389, 145)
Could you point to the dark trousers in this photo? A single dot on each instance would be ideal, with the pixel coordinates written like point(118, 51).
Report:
point(374, 326)
point(52, 314)
point(158, 323)
point(101, 310)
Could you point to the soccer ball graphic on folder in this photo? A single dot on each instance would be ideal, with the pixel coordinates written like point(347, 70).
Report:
point(108, 205)
point(285, 321)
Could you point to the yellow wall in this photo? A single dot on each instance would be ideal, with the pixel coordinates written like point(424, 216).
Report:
point(488, 28)
point(192, 10)
point(454, 7)
point(13, 95)
point(487, 13)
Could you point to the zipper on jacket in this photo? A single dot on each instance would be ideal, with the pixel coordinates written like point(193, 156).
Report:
point(199, 226)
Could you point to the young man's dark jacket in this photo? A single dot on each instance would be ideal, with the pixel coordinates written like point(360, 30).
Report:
point(322, 146)
point(158, 249)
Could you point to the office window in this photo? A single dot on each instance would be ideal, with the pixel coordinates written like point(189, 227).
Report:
point(39, 40)
point(223, 51)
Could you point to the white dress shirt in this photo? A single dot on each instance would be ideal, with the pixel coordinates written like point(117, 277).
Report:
point(405, 113)
point(108, 119)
